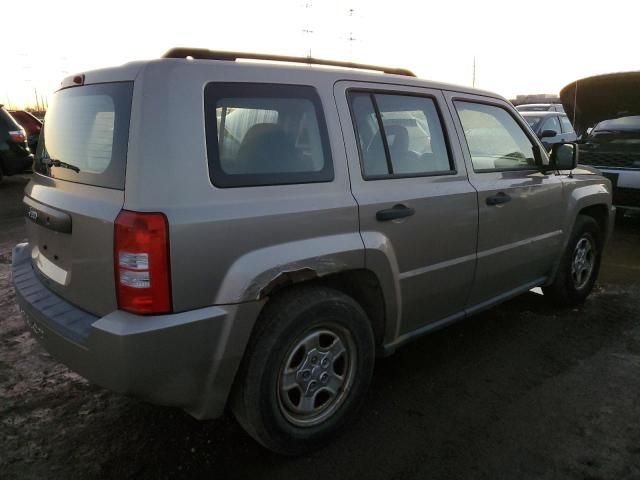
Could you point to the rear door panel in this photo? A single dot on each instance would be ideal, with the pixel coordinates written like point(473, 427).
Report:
point(433, 250)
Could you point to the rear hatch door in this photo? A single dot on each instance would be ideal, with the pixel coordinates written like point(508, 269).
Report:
point(77, 192)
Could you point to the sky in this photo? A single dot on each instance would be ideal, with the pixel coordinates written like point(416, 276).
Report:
point(520, 47)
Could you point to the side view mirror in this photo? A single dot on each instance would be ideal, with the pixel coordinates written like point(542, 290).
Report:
point(564, 156)
point(548, 133)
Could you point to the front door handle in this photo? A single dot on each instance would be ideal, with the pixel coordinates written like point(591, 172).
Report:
point(498, 199)
point(398, 211)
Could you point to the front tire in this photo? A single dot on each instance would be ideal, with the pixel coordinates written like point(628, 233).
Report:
point(306, 371)
point(579, 265)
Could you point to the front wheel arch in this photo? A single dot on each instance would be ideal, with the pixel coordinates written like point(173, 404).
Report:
point(564, 290)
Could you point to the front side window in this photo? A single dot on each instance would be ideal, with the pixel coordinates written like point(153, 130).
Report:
point(399, 135)
point(262, 134)
point(495, 140)
point(552, 123)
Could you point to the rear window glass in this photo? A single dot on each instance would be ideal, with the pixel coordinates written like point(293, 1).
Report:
point(262, 134)
point(6, 121)
point(532, 121)
point(85, 135)
point(27, 121)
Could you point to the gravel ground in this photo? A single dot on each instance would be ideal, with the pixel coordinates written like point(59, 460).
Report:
point(521, 391)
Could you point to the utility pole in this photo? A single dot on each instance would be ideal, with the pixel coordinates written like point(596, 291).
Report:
point(351, 39)
point(308, 31)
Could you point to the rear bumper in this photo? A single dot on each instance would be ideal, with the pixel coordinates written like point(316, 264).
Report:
point(16, 164)
point(188, 360)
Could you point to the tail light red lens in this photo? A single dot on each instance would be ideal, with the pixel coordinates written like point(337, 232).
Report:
point(17, 136)
point(141, 256)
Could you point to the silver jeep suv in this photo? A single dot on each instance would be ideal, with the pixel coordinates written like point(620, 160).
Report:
point(205, 232)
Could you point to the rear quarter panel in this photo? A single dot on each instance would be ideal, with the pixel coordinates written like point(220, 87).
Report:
point(228, 244)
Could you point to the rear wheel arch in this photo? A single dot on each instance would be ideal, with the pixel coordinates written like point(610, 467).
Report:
point(362, 285)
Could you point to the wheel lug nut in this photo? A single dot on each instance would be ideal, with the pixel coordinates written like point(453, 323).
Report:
point(306, 374)
point(325, 362)
point(314, 360)
point(324, 378)
point(313, 385)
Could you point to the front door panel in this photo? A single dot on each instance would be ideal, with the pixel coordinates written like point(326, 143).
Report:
point(520, 208)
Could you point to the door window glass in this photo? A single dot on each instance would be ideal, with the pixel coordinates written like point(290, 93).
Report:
point(566, 125)
point(413, 141)
point(495, 140)
point(551, 123)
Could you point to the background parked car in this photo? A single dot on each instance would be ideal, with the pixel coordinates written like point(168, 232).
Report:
point(540, 107)
point(15, 156)
point(31, 124)
point(606, 113)
point(550, 127)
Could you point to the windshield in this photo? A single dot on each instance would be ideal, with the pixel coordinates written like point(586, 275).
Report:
point(85, 135)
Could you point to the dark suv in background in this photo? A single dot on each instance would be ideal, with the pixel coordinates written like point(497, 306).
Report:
point(15, 156)
point(606, 113)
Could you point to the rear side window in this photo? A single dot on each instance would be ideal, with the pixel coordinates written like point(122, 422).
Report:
point(85, 135)
point(566, 125)
point(264, 134)
point(399, 135)
point(495, 140)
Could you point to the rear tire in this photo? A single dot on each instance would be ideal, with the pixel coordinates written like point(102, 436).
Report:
point(579, 265)
point(306, 371)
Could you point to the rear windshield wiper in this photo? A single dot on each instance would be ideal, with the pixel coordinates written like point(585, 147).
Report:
point(52, 162)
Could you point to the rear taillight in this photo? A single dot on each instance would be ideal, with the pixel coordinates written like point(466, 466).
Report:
point(17, 136)
point(141, 251)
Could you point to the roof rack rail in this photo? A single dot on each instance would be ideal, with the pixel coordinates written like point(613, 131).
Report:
point(204, 54)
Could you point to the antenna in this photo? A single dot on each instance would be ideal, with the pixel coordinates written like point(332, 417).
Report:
point(575, 103)
point(473, 80)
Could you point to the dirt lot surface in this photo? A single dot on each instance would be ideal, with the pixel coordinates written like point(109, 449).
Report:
point(521, 391)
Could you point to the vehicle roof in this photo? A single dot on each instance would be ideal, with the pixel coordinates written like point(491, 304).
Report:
point(263, 70)
point(537, 104)
point(541, 114)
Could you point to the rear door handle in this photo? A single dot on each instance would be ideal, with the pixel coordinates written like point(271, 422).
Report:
point(398, 211)
point(498, 199)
